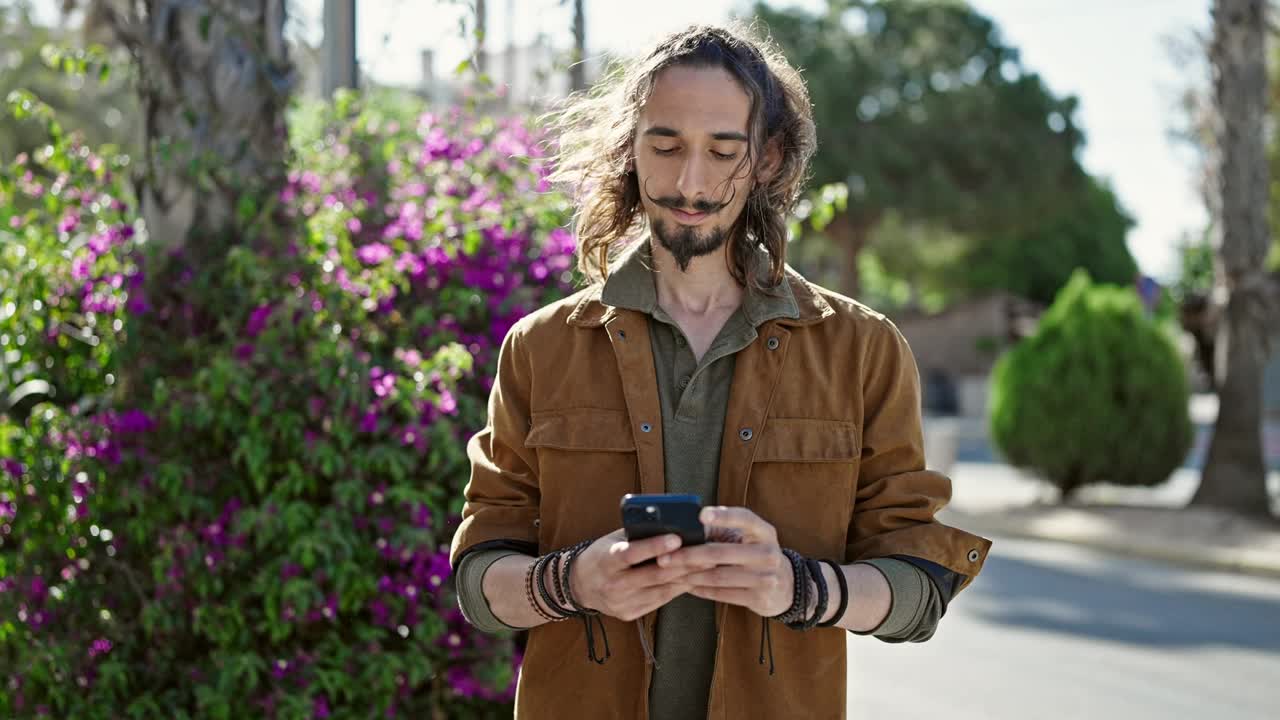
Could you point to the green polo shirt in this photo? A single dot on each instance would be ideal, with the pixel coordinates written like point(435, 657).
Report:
point(694, 396)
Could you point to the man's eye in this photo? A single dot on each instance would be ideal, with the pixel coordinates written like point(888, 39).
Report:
point(664, 151)
point(723, 156)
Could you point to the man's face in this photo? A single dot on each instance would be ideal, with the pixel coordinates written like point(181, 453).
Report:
point(689, 150)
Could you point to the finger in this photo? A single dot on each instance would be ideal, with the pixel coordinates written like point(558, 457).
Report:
point(754, 527)
point(709, 555)
point(733, 577)
point(653, 575)
point(644, 602)
point(731, 596)
point(625, 552)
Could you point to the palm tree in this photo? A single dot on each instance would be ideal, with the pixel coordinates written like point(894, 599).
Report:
point(1235, 471)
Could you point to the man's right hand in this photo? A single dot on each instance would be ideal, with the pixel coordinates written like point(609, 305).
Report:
point(605, 579)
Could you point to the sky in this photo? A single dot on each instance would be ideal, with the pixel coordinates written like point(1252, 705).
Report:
point(1110, 54)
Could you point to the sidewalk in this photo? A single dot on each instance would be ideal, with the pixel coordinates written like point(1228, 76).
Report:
point(995, 499)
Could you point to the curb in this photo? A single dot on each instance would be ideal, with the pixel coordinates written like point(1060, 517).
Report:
point(1243, 560)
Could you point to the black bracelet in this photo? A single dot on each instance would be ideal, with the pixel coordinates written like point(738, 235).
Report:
point(815, 570)
point(843, 582)
point(574, 552)
point(540, 571)
point(529, 595)
point(798, 620)
point(561, 596)
point(800, 590)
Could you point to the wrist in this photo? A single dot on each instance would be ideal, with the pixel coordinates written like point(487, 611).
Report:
point(828, 574)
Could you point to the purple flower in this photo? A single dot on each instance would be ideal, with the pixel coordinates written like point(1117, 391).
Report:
point(447, 404)
point(420, 516)
point(13, 467)
point(374, 253)
point(135, 421)
point(320, 708)
point(257, 320)
point(68, 223)
point(369, 422)
point(101, 646)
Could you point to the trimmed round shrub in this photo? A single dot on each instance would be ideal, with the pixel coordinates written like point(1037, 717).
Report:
point(1098, 394)
point(239, 501)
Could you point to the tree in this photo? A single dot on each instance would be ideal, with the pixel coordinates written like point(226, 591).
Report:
point(98, 106)
point(1087, 232)
point(921, 108)
point(213, 79)
point(577, 70)
point(1235, 471)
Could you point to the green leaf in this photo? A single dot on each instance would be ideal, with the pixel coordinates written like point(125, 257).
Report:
point(206, 21)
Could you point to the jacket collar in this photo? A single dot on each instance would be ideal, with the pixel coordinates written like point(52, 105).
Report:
point(630, 287)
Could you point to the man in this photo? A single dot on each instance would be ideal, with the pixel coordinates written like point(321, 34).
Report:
point(696, 362)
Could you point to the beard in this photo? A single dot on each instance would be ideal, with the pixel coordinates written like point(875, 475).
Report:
point(686, 243)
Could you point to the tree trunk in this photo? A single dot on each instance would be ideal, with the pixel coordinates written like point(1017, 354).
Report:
point(1234, 476)
point(482, 21)
point(577, 69)
point(851, 233)
point(214, 80)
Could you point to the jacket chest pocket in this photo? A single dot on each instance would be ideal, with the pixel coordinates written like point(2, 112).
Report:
point(586, 463)
point(803, 478)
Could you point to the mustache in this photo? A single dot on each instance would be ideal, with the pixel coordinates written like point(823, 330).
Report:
point(677, 202)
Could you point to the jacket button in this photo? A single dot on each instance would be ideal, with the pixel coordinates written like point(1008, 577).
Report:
point(537, 522)
point(645, 427)
point(745, 434)
point(973, 556)
point(773, 343)
point(684, 382)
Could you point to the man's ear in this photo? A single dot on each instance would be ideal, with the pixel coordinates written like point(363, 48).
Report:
point(771, 162)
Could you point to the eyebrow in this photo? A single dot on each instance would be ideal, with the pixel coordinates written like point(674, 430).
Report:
point(662, 131)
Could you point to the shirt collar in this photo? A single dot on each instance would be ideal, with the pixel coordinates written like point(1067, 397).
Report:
point(631, 285)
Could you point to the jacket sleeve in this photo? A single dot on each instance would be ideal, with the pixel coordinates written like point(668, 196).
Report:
point(502, 494)
point(897, 497)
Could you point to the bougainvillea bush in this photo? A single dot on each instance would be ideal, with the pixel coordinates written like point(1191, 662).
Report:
point(236, 499)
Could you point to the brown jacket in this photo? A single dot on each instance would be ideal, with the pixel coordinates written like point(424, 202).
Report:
point(822, 439)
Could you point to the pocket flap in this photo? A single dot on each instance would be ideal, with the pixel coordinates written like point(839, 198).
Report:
point(807, 440)
point(582, 429)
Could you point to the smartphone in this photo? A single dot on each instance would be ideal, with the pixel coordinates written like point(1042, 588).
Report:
point(644, 516)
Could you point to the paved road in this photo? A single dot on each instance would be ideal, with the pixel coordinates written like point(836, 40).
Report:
point(1057, 632)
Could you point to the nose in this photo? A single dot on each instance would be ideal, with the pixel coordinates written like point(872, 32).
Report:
point(693, 178)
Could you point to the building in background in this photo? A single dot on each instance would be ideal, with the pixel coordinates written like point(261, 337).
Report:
point(528, 76)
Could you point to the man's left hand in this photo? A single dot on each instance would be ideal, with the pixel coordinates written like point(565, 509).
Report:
point(753, 573)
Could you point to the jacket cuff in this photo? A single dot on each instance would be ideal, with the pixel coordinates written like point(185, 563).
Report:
point(470, 586)
point(910, 591)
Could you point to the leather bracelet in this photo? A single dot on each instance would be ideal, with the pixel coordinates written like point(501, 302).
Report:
point(556, 609)
point(843, 582)
point(815, 571)
point(556, 568)
point(528, 591)
point(798, 620)
point(800, 590)
point(574, 552)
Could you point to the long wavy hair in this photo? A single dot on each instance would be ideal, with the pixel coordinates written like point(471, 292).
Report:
point(596, 135)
